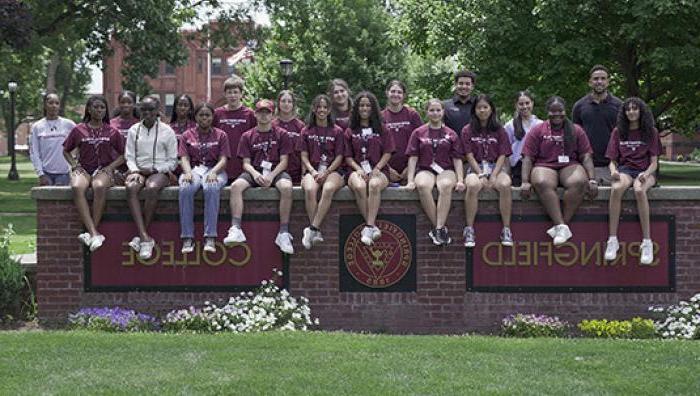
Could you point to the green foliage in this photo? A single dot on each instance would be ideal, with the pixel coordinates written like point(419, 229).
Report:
point(652, 47)
point(637, 328)
point(530, 325)
point(11, 277)
point(347, 39)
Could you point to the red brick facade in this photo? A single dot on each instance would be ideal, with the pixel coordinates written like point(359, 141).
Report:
point(440, 304)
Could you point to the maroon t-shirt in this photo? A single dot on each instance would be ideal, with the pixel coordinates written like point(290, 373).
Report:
point(443, 144)
point(293, 128)
point(265, 146)
point(317, 141)
point(204, 148)
point(633, 153)
point(342, 119)
point(401, 125)
point(180, 129)
point(123, 124)
point(97, 148)
point(545, 145)
point(486, 146)
point(234, 123)
point(368, 147)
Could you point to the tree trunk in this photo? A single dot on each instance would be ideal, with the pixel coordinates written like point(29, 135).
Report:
point(51, 72)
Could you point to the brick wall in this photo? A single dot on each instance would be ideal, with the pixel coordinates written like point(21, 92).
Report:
point(440, 304)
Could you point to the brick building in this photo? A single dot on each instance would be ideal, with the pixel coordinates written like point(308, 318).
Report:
point(201, 77)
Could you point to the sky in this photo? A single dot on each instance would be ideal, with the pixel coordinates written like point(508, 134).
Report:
point(95, 86)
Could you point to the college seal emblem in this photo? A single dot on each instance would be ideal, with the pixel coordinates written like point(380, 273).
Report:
point(384, 263)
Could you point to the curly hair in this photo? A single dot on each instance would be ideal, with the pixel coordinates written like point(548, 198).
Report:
point(375, 117)
point(646, 119)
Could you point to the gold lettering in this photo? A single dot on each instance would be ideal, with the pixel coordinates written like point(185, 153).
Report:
point(485, 254)
point(220, 248)
point(547, 253)
point(154, 258)
point(246, 257)
point(561, 255)
point(524, 255)
point(168, 252)
point(593, 253)
point(129, 254)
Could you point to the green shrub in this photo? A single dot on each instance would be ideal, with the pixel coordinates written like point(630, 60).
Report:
point(636, 328)
point(11, 277)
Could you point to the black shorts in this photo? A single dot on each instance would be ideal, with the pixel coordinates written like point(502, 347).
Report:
point(247, 177)
point(633, 173)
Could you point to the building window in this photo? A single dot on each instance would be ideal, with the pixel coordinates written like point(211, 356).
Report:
point(169, 69)
point(216, 66)
point(169, 104)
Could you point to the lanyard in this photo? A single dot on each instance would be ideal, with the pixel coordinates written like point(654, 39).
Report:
point(364, 142)
point(95, 134)
point(435, 142)
point(136, 145)
point(322, 141)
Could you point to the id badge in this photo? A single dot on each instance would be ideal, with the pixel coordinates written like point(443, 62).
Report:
point(366, 167)
point(436, 168)
point(266, 167)
point(486, 167)
point(366, 132)
point(563, 159)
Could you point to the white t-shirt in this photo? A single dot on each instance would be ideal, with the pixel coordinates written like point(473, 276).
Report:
point(46, 145)
point(517, 145)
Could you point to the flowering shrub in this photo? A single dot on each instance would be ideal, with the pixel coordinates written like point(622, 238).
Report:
point(530, 325)
point(636, 328)
point(112, 320)
point(681, 321)
point(268, 308)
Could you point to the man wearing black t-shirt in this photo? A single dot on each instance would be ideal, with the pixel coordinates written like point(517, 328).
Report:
point(458, 108)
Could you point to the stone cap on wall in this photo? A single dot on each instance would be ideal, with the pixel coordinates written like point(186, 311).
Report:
point(51, 193)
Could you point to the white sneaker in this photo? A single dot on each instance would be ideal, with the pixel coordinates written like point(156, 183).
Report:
point(307, 238)
point(376, 233)
point(85, 238)
point(563, 234)
point(235, 235)
point(552, 232)
point(146, 249)
point(209, 245)
point(187, 246)
point(96, 242)
point(284, 241)
point(135, 244)
point(317, 237)
point(647, 248)
point(611, 249)
point(366, 237)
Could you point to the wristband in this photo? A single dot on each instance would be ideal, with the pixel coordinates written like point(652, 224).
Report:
point(593, 181)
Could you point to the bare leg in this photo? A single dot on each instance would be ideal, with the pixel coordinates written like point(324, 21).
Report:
point(617, 189)
point(284, 186)
point(640, 192)
point(471, 197)
point(100, 184)
point(445, 185)
point(545, 182)
point(236, 197)
point(154, 184)
point(505, 197)
point(79, 183)
point(132, 193)
point(359, 188)
point(333, 183)
point(310, 187)
point(573, 179)
point(424, 184)
point(376, 185)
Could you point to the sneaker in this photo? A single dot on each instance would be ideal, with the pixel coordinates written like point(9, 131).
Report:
point(96, 242)
point(647, 248)
point(235, 235)
point(506, 237)
point(433, 234)
point(376, 233)
point(563, 234)
point(209, 245)
point(146, 250)
point(135, 244)
point(366, 237)
point(284, 241)
point(307, 238)
point(187, 246)
point(318, 237)
point(552, 232)
point(611, 248)
point(85, 238)
point(469, 237)
point(444, 236)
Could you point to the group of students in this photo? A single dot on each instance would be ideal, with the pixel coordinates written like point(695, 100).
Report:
point(342, 141)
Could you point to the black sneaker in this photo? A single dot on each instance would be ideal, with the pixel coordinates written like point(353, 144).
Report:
point(434, 235)
point(444, 236)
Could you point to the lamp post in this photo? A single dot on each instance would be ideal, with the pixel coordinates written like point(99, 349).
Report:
point(13, 175)
point(286, 68)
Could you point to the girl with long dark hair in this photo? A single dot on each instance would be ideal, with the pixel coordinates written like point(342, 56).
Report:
point(287, 119)
point(126, 114)
point(46, 150)
point(523, 121)
point(182, 117)
point(633, 151)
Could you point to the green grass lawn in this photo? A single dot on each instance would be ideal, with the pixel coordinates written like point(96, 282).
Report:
point(15, 198)
point(679, 175)
point(340, 364)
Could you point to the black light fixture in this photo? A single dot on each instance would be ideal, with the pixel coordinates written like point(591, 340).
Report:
point(13, 175)
point(286, 68)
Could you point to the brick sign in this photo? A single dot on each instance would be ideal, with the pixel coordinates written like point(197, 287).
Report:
point(535, 264)
point(116, 267)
